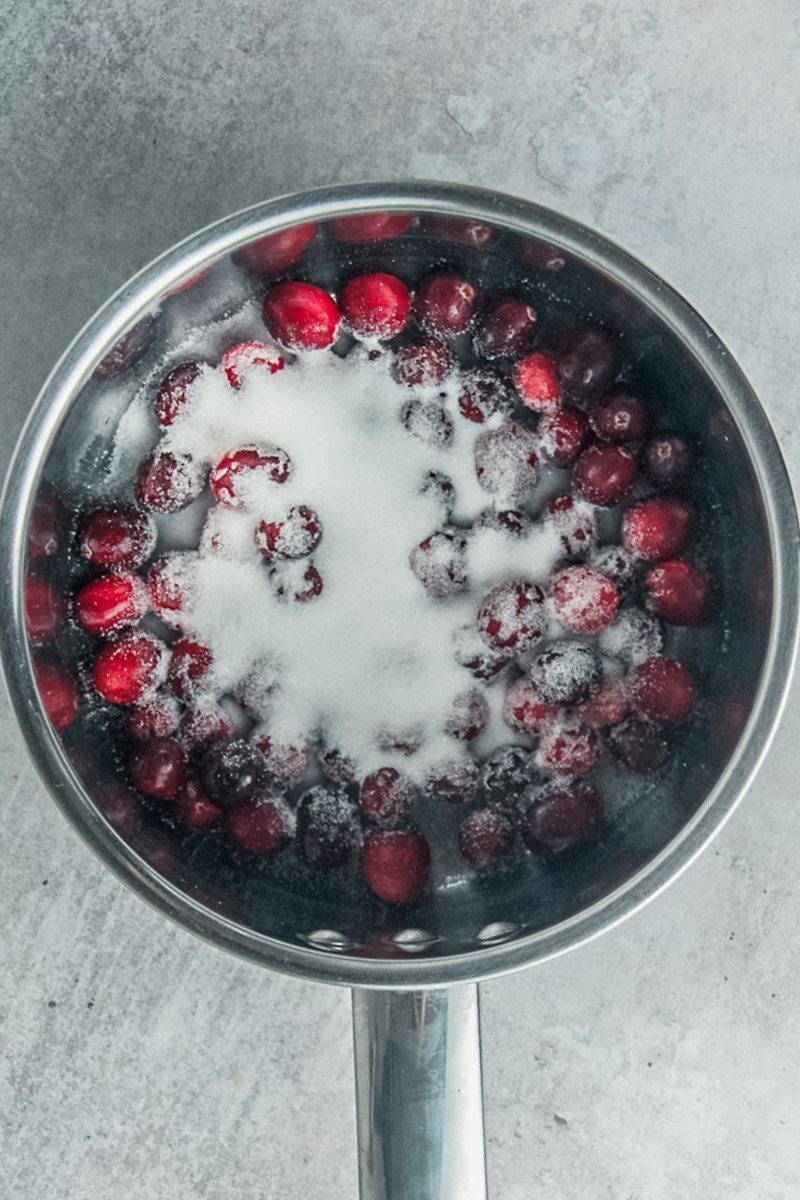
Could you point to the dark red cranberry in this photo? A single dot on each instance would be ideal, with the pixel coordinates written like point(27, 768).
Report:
point(677, 592)
point(192, 807)
point(638, 744)
point(118, 536)
point(119, 805)
point(505, 328)
point(58, 693)
point(667, 460)
point(327, 832)
point(619, 418)
point(396, 864)
point(261, 829)
point(484, 837)
point(238, 361)
point(461, 230)
point(173, 391)
point(512, 616)
point(562, 434)
point(439, 562)
point(337, 766)
point(454, 780)
point(375, 306)
point(524, 709)
point(469, 716)
point(505, 775)
point(575, 522)
point(190, 665)
point(482, 395)
point(440, 488)
point(158, 766)
point(607, 706)
point(471, 652)
point(286, 762)
point(541, 254)
point(153, 718)
point(203, 724)
point(586, 361)
point(293, 586)
point(370, 227)
point(385, 796)
point(125, 670)
point(568, 748)
point(618, 564)
point(275, 251)
point(232, 773)
point(44, 607)
point(510, 521)
point(295, 535)
point(170, 582)
point(657, 528)
point(663, 690)
point(427, 421)
point(507, 462)
point(566, 673)
point(230, 478)
point(444, 304)
point(127, 351)
point(111, 602)
point(537, 384)
point(301, 316)
point(47, 522)
point(166, 482)
point(561, 818)
point(605, 474)
point(584, 600)
point(633, 637)
point(424, 364)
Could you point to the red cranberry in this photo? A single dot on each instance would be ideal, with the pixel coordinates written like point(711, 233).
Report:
point(427, 421)
point(166, 482)
point(663, 690)
point(376, 306)
point(439, 562)
point(439, 488)
point(396, 864)
point(295, 536)
point(639, 745)
point(566, 673)
point(154, 718)
point(445, 303)
point(584, 600)
point(127, 669)
point(47, 522)
point(506, 775)
point(484, 837)
point(618, 564)
point(337, 766)
point(512, 616)
point(192, 807)
point(232, 773)
point(586, 361)
point(568, 748)
point(618, 418)
point(541, 254)
point(471, 652)
point(173, 392)
point(297, 588)
point(158, 766)
point(505, 328)
point(327, 832)
point(301, 316)
point(111, 602)
point(562, 818)
point(424, 364)
point(667, 460)
point(275, 251)
point(370, 227)
point(469, 716)
point(461, 230)
point(189, 668)
point(575, 522)
point(524, 709)
point(170, 582)
point(229, 479)
point(202, 725)
point(676, 591)
point(44, 606)
point(128, 350)
point(607, 706)
point(561, 435)
point(262, 829)
point(537, 383)
point(510, 521)
point(385, 796)
point(506, 461)
point(118, 536)
point(454, 780)
point(238, 361)
point(482, 395)
point(605, 474)
point(657, 528)
point(58, 693)
point(633, 637)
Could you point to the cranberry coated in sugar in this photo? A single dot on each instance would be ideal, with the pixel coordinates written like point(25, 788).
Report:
point(301, 316)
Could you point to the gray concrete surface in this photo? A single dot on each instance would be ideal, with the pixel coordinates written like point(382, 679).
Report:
point(658, 1063)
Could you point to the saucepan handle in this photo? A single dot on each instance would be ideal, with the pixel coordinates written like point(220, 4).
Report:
point(419, 1101)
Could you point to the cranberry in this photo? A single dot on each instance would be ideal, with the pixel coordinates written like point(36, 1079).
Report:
point(202, 725)
point(119, 805)
point(445, 303)
point(575, 522)
point(506, 461)
point(158, 766)
point(506, 775)
point(439, 562)
point(47, 522)
point(663, 690)
point(128, 350)
point(561, 818)
point(482, 395)
point(639, 745)
point(512, 616)
point(301, 316)
point(327, 832)
point(566, 673)
point(153, 718)
point(289, 586)
point(454, 780)
point(510, 521)
point(605, 474)
point(385, 796)
point(230, 478)
point(262, 829)
point(238, 361)
point(286, 762)
point(676, 591)
point(118, 536)
point(192, 807)
point(295, 536)
point(657, 528)
point(171, 582)
point(568, 748)
point(584, 600)
point(440, 488)
point(524, 709)
point(561, 435)
point(667, 460)
point(541, 254)
point(124, 671)
point(427, 421)
point(401, 740)
point(58, 693)
point(505, 328)
point(469, 716)
point(275, 251)
point(607, 706)
point(618, 418)
point(471, 652)
point(111, 602)
point(370, 227)
point(189, 667)
point(396, 864)
point(537, 383)
point(633, 637)
point(618, 564)
point(337, 766)
point(232, 773)
point(424, 364)
point(462, 230)
point(157, 850)
point(375, 306)
point(173, 391)
point(44, 606)
point(586, 360)
point(484, 837)
point(166, 482)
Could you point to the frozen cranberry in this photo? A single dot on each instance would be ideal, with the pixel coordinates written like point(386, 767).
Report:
point(301, 316)
point(633, 637)
point(337, 766)
point(575, 522)
point(238, 469)
point(396, 864)
point(327, 832)
point(296, 586)
point(657, 528)
point(124, 671)
point(537, 384)
point(171, 584)
point(506, 775)
point(607, 706)
point(566, 673)
point(584, 600)
point(618, 564)
point(119, 805)
point(561, 435)
point(275, 251)
point(512, 616)
point(294, 536)
point(639, 745)
point(524, 709)
point(238, 361)
point(618, 418)
point(424, 364)
point(568, 748)
point(461, 230)
point(482, 395)
point(203, 724)
point(541, 254)
point(157, 767)
point(156, 848)
point(261, 829)
point(385, 796)
point(505, 328)
point(427, 421)
point(605, 474)
point(118, 536)
point(111, 602)
point(586, 360)
point(127, 351)
point(663, 690)
point(510, 521)
point(370, 227)
point(232, 772)
point(484, 837)
point(173, 391)
point(401, 739)
point(192, 807)
point(667, 460)
point(375, 306)
point(58, 693)
point(286, 762)
point(44, 606)
point(676, 591)
point(445, 303)
point(561, 818)
point(471, 652)
point(189, 668)
point(440, 488)
point(506, 461)
point(47, 522)
point(166, 482)
point(153, 718)
point(469, 716)
point(454, 780)
point(439, 562)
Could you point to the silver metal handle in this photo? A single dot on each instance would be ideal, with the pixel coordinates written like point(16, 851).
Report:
point(419, 1103)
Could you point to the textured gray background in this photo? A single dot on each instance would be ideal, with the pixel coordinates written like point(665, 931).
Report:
point(656, 1064)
